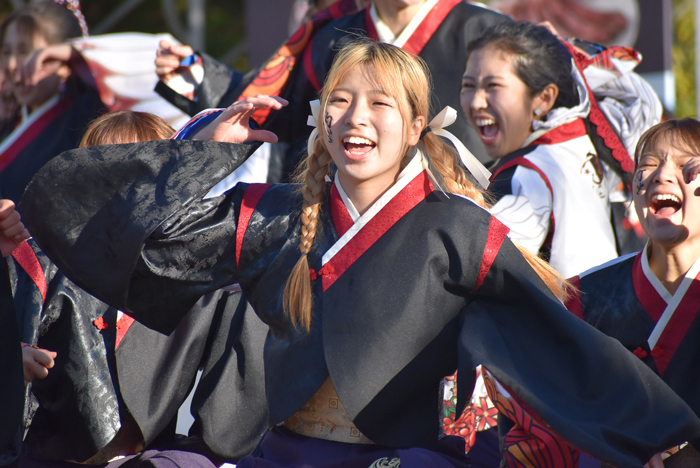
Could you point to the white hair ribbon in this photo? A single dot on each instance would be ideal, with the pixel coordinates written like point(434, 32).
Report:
point(312, 121)
point(445, 118)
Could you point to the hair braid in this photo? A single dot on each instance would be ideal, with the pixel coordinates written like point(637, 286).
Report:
point(297, 297)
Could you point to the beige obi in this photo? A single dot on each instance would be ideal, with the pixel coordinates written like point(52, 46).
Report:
point(324, 417)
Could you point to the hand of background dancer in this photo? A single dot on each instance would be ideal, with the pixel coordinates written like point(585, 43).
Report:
point(37, 362)
point(46, 62)
point(233, 125)
point(12, 231)
point(655, 462)
point(691, 169)
point(169, 56)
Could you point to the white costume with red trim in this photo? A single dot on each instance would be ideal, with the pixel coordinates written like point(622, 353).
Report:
point(555, 193)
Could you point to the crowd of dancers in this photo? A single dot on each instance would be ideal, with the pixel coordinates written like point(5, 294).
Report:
point(421, 234)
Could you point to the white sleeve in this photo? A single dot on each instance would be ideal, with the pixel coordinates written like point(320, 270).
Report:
point(631, 106)
point(254, 170)
point(527, 211)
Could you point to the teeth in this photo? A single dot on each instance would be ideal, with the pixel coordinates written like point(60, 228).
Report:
point(484, 122)
point(357, 141)
point(665, 196)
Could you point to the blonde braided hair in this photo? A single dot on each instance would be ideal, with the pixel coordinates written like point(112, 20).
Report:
point(391, 68)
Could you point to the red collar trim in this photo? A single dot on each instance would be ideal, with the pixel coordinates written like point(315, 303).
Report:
point(341, 217)
point(677, 328)
point(649, 298)
point(252, 195)
point(429, 25)
point(562, 133)
point(415, 192)
point(425, 29)
point(33, 131)
point(123, 324)
point(27, 259)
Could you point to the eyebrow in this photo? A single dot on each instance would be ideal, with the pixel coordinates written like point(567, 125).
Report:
point(372, 91)
point(488, 77)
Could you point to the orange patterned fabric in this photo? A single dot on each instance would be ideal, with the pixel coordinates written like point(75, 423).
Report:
point(530, 443)
point(273, 78)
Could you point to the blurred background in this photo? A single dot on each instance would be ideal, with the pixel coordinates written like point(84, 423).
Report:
point(242, 33)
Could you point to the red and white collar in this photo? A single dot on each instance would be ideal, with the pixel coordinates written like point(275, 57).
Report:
point(386, 35)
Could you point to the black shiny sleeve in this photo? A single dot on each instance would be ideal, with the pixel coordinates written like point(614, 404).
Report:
point(584, 385)
point(102, 214)
point(220, 87)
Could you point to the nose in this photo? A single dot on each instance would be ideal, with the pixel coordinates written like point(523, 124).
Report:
point(356, 114)
point(666, 172)
point(479, 100)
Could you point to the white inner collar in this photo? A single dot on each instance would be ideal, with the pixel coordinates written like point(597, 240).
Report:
point(386, 35)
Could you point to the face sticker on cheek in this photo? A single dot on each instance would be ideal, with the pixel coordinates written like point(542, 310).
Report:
point(329, 122)
point(639, 183)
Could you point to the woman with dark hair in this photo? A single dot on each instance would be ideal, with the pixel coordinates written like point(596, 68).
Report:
point(560, 150)
point(56, 110)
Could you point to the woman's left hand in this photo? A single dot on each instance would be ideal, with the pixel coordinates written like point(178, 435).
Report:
point(655, 462)
point(12, 231)
point(233, 125)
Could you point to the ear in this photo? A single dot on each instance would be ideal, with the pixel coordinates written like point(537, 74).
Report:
point(415, 129)
point(545, 100)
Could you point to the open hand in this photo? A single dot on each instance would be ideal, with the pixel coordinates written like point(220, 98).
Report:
point(12, 231)
point(37, 362)
point(169, 56)
point(233, 125)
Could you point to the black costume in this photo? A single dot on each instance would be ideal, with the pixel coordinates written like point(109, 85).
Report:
point(111, 373)
point(441, 40)
point(431, 283)
point(56, 126)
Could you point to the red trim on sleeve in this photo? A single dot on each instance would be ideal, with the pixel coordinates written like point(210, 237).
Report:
point(33, 131)
point(27, 259)
point(562, 133)
point(339, 212)
point(497, 234)
point(429, 25)
point(648, 297)
point(123, 325)
point(415, 192)
point(309, 66)
point(522, 161)
point(573, 303)
point(251, 197)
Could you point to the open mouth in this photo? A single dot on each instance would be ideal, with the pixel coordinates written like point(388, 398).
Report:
point(358, 145)
point(665, 204)
point(488, 128)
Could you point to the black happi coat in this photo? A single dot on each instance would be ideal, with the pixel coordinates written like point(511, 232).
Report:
point(441, 40)
point(620, 300)
point(60, 129)
point(429, 284)
point(78, 409)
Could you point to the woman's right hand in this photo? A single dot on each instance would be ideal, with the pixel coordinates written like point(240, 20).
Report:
point(45, 62)
point(233, 125)
point(37, 362)
point(169, 56)
point(12, 231)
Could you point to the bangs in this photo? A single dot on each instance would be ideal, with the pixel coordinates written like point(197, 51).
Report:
point(683, 135)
